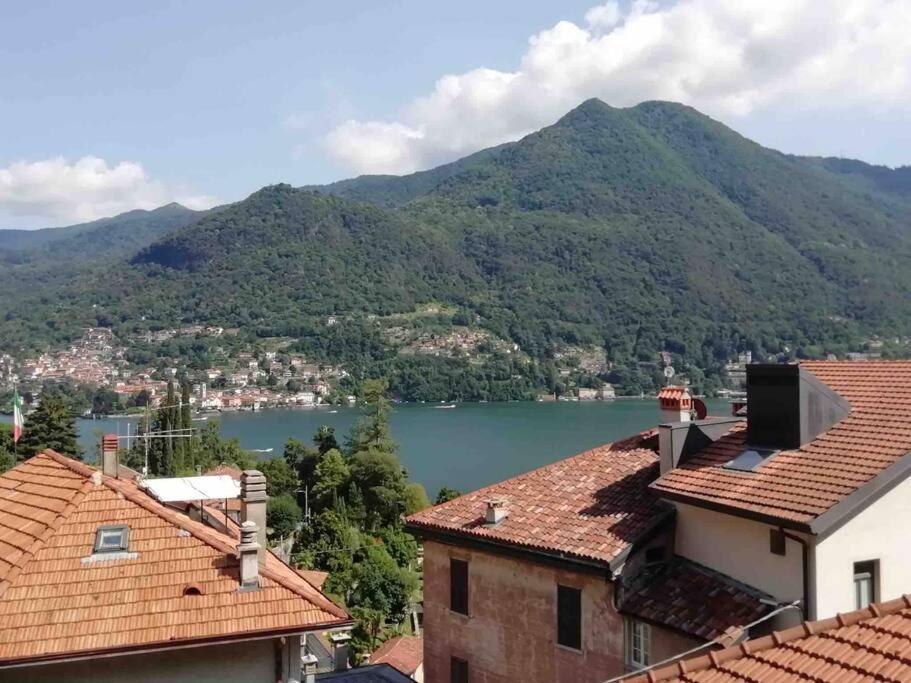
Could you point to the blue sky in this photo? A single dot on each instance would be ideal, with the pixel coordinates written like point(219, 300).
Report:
point(207, 101)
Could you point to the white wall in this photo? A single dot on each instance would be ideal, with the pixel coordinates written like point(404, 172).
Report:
point(881, 532)
point(739, 548)
point(249, 662)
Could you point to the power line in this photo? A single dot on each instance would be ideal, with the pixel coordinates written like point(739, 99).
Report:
point(746, 628)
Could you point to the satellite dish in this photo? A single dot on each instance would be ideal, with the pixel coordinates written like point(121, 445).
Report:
point(669, 371)
point(699, 407)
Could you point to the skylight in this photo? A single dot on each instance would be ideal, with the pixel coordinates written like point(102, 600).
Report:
point(112, 539)
point(750, 459)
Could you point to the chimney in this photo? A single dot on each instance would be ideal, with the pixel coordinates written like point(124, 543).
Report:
point(339, 641)
point(675, 404)
point(309, 663)
point(788, 406)
point(109, 455)
point(496, 511)
point(248, 554)
point(253, 506)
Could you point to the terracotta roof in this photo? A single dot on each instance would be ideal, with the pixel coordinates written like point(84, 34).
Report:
point(692, 599)
point(797, 486)
point(872, 644)
point(591, 506)
point(673, 393)
point(405, 653)
point(58, 600)
point(230, 470)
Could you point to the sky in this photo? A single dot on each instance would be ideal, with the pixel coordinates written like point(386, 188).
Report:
point(111, 106)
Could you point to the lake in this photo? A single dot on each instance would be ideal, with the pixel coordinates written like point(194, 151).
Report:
point(466, 447)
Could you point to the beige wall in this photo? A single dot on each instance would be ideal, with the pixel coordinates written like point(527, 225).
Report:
point(878, 533)
point(249, 662)
point(510, 634)
point(666, 644)
point(739, 548)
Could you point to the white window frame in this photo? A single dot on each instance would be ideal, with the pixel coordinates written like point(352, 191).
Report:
point(638, 644)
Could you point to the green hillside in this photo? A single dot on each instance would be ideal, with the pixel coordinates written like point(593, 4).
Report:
point(638, 230)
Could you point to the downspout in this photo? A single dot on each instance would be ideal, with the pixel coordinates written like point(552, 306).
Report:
point(805, 604)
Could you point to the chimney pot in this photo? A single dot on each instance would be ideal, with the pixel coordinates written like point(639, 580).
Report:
point(675, 404)
point(109, 455)
point(248, 551)
point(496, 511)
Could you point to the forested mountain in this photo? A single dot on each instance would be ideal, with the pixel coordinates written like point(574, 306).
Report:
point(115, 236)
point(638, 230)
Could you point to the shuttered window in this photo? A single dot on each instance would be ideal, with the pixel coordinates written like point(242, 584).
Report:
point(458, 670)
point(569, 617)
point(458, 586)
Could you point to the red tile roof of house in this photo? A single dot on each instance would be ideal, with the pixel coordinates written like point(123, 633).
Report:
point(796, 486)
point(872, 644)
point(405, 653)
point(692, 599)
point(591, 506)
point(58, 600)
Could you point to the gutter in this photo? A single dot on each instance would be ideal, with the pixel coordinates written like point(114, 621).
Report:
point(805, 551)
point(161, 646)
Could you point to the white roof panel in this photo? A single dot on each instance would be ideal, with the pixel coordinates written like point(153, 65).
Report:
point(216, 487)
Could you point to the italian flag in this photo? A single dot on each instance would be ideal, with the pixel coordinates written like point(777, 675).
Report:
point(17, 417)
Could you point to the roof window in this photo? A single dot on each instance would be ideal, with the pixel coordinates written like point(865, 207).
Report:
point(112, 539)
point(750, 459)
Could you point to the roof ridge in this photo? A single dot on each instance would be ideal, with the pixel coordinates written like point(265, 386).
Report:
point(204, 534)
point(48, 531)
point(752, 647)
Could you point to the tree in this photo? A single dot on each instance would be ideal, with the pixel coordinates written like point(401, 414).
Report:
point(381, 585)
point(446, 494)
point(282, 516)
point(381, 479)
point(415, 498)
point(281, 479)
point(303, 459)
point(331, 479)
point(7, 458)
point(372, 430)
point(105, 402)
point(325, 439)
point(50, 425)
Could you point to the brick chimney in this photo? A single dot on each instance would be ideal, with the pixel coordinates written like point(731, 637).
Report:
point(109, 455)
point(248, 553)
point(253, 506)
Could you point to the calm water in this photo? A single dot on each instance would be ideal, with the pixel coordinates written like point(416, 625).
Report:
point(465, 448)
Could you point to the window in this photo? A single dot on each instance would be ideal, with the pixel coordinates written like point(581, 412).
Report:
point(638, 644)
point(865, 583)
point(569, 617)
point(112, 539)
point(458, 586)
point(458, 670)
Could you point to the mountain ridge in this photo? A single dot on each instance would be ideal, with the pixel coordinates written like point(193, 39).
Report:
point(638, 230)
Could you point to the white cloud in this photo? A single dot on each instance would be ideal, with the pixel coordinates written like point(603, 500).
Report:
point(728, 59)
point(89, 188)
